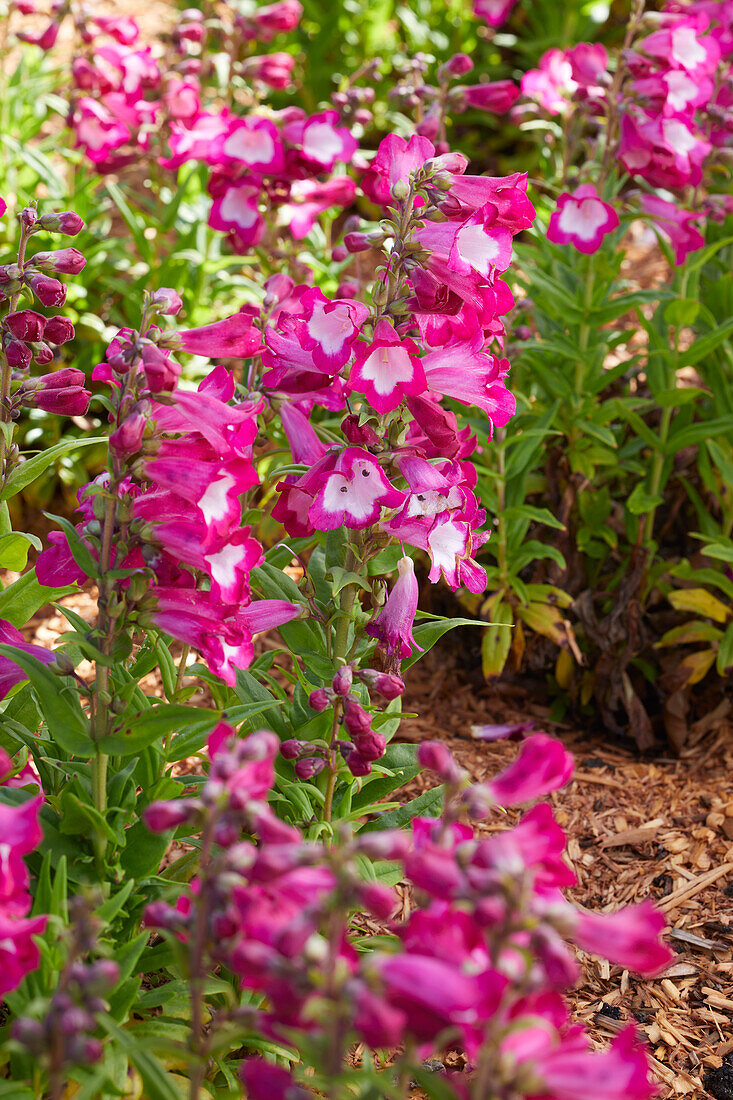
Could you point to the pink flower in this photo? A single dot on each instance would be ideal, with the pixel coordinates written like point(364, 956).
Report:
point(254, 142)
point(309, 198)
point(273, 69)
point(463, 370)
point(392, 626)
point(570, 1072)
point(495, 12)
point(396, 158)
point(277, 18)
point(353, 494)
point(10, 673)
point(675, 225)
point(18, 953)
point(386, 368)
point(629, 937)
point(265, 1081)
point(497, 97)
point(552, 84)
point(582, 219)
point(236, 209)
point(322, 141)
point(543, 765)
point(234, 337)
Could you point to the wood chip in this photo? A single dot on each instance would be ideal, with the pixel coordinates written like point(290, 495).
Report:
point(696, 886)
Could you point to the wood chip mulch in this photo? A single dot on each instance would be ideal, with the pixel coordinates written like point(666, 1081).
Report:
point(637, 828)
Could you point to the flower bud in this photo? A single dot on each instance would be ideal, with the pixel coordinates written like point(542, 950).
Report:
point(361, 435)
point(18, 354)
point(50, 292)
point(356, 719)
point(309, 766)
point(28, 217)
point(318, 700)
point(386, 683)
point(25, 324)
point(277, 288)
point(128, 438)
point(378, 900)
point(458, 65)
point(291, 749)
point(161, 371)
point(29, 1033)
point(65, 221)
point(357, 242)
point(64, 261)
point(400, 190)
point(369, 744)
point(161, 816)
point(438, 758)
point(58, 330)
point(357, 765)
point(342, 680)
point(42, 354)
point(166, 301)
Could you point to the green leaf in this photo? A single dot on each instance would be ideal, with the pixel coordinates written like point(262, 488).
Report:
point(158, 1083)
point(641, 501)
point(134, 732)
point(725, 653)
point(14, 549)
point(682, 312)
point(79, 550)
point(425, 803)
point(427, 634)
point(704, 345)
point(537, 515)
point(59, 704)
point(32, 468)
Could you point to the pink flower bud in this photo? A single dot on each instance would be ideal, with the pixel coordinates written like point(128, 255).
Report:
point(291, 749)
point(161, 371)
point(361, 435)
point(356, 718)
point(28, 217)
point(438, 758)
point(458, 65)
point(309, 766)
point(277, 289)
point(369, 744)
point(167, 301)
point(50, 292)
point(42, 354)
point(65, 221)
point(386, 683)
point(161, 816)
point(26, 324)
point(357, 242)
point(18, 354)
point(128, 437)
point(357, 765)
point(342, 680)
point(64, 261)
point(58, 330)
point(378, 900)
point(318, 700)
point(61, 392)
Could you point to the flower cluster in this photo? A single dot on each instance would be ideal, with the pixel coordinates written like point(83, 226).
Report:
point(263, 161)
point(21, 832)
point(182, 462)
point(435, 103)
point(65, 1036)
point(478, 966)
point(27, 336)
point(664, 116)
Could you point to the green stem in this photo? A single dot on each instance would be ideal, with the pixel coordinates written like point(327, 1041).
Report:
point(585, 330)
point(340, 646)
point(655, 479)
point(102, 697)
